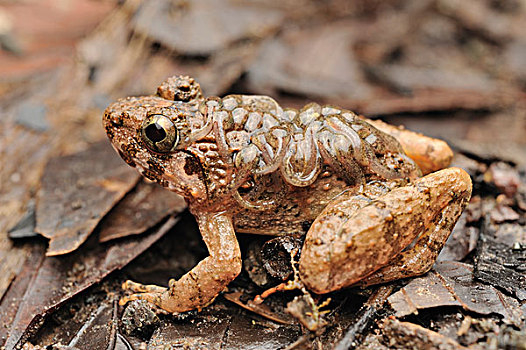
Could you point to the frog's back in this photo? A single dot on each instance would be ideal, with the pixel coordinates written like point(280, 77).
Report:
point(297, 143)
point(301, 159)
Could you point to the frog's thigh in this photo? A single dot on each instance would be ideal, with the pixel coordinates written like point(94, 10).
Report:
point(349, 242)
point(421, 257)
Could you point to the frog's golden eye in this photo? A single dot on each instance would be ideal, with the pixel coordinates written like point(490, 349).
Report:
point(159, 133)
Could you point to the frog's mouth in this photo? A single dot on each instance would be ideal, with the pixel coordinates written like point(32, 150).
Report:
point(179, 172)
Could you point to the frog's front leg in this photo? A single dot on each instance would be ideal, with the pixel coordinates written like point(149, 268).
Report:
point(199, 287)
point(362, 237)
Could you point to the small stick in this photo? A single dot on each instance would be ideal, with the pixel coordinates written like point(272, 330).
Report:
point(367, 314)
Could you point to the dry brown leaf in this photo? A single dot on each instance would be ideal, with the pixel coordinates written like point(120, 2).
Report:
point(76, 192)
point(451, 284)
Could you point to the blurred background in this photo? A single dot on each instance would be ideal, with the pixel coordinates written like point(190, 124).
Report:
point(454, 69)
point(450, 69)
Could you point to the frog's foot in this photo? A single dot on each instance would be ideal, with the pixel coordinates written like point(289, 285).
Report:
point(154, 298)
point(150, 293)
point(142, 288)
point(363, 237)
point(171, 299)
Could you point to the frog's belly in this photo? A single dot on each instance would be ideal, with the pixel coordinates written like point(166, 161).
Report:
point(295, 211)
point(271, 223)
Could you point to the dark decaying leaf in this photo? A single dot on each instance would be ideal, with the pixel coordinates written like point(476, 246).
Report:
point(408, 78)
point(22, 157)
point(420, 293)
point(205, 331)
point(32, 114)
point(11, 262)
point(225, 67)
point(498, 262)
point(260, 309)
point(217, 327)
point(422, 101)
point(478, 297)
point(76, 192)
point(461, 242)
point(406, 335)
point(87, 323)
point(254, 332)
point(451, 284)
point(141, 209)
point(480, 17)
point(13, 297)
point(490, 151)
point(99, 331)
point(514, 56)
point(61, 277)
point(503, 176)
point(503, 213)
point(365, 316)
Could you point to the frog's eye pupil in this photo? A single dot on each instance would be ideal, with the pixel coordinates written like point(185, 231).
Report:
point(155, 132)
point(159, 133)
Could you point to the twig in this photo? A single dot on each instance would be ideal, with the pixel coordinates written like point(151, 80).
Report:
point(367, 314)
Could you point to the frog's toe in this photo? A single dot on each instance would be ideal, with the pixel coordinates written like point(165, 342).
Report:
point(142, 288)
point(154, 298)
point(168, 299)
point(150, 293)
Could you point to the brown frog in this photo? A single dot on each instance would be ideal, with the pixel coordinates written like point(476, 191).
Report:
point(244, 164)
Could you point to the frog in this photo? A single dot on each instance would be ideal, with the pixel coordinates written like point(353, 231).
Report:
point(373, 202)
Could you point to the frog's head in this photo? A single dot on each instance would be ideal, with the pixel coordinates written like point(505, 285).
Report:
point(151, 133)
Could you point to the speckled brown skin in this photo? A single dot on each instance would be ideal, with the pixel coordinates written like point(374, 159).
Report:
point(244, 164)
point(428, 153)
point(359, 239)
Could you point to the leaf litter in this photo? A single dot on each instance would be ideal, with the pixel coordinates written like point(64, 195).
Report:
point(465, 44)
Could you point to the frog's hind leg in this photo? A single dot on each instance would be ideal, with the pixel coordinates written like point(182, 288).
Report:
point(356, 238)
point(420, 258)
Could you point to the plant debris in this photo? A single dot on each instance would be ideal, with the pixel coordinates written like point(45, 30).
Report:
point(144, 207)
point(500, 263)
point(452, 284)
point(452, 70)
point(406, 335)
point(76, 192)
point(59, 278)
point(139, 319)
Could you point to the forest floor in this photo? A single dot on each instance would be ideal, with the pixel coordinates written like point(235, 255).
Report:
point(452, 70)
